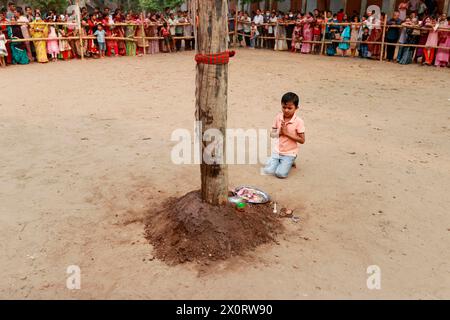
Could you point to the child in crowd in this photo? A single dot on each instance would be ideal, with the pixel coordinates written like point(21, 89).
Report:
point(363, 47)
point(289, 128)
point(100, 34)
point(165, 33)
point(254, 34)
point(52, 43)
point(3, 50)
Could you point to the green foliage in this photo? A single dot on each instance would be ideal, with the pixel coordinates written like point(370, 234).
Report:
point(58, 5)
point(159, 5)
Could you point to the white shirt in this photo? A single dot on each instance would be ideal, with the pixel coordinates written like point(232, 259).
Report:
point(247, 26)
point(259, 19)
point(272, 20)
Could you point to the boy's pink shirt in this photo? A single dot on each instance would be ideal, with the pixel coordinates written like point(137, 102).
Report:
point(285, 145)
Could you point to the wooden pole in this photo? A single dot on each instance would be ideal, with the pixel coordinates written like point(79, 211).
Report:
point(212, 99)
point(79, 30)
point(324, 32)
point(236, 26)
point(382, 38)
point(143, 32)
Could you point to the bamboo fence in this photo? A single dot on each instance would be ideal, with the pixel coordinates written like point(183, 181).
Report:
point(234, 35)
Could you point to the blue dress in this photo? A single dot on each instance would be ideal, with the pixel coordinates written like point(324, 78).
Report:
point(345, 36)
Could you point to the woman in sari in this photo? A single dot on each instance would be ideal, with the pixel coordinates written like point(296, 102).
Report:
point(18, 49)
point(307, 32)
point(280, 34)
point(130, 31)
point(442, 55)
point(39, 30)
point(142, 43)
point(91, 28)
point(152, 31)
point(120, 33)
point(374, 25)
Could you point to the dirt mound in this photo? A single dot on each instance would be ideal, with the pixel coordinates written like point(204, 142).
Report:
point(188, 229)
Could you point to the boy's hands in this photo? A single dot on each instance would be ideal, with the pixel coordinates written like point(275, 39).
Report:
point(283, 129)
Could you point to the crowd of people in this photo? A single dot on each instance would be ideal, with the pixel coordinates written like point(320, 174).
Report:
point(352, 35)
point(106, 33)
point(118, 33)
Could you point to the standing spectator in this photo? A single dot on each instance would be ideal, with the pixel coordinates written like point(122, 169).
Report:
point(289, 26)
point(344, 45)
point(280, 33)
point(421, 8)
point(413, 5)
point(354, 35)
point(240, 28)
point(26, 34)
point(317, 32)
point(374, 25)
point(11, 10)
point(254, 34)
point(271, 30)
point(172, 28)
point(18, 49)
point(29, 14)
point(259, 21)
point(297, 37)
point(340, 15)
point(165, 33)
point(363, 47)
point(307, 23)
point(442, 55)
point(247, 23)
point(152, 31)
point(39, 30)
point(432, 41)
point(392, 35)
point(179, 30)
point(402, 9)
point(189, 43)
point(64, 47)
point(403, 39)
point(130, 31)
point(52, 43)
point(3, 51)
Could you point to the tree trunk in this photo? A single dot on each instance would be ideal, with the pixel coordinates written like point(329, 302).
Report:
point(211, 96)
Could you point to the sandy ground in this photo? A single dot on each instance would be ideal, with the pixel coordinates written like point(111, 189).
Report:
point(85, 151)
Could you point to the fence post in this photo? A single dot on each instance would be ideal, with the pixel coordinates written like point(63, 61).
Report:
point(143, 32)
point(323, 35)
point(235, 28)
point(277, 27)
point(382, 39)
point(79, 30)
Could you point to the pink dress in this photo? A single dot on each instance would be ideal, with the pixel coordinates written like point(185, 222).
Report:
point(52, 45)
point(307, 35)
point(442, 55)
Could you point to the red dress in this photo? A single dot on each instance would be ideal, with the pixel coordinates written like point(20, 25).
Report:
point(92, 48)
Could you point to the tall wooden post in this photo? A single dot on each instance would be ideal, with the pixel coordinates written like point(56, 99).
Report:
point(322, 46)
point(142, 26)
point(212, 96)
point(382, 38)
point(80, 34)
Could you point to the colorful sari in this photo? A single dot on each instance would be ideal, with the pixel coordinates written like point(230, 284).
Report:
point(18, 49)
point(39, 30)
point(130, 45)
point(307, 35)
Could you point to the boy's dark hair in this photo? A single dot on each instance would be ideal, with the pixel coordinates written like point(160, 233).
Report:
point(291, 97)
